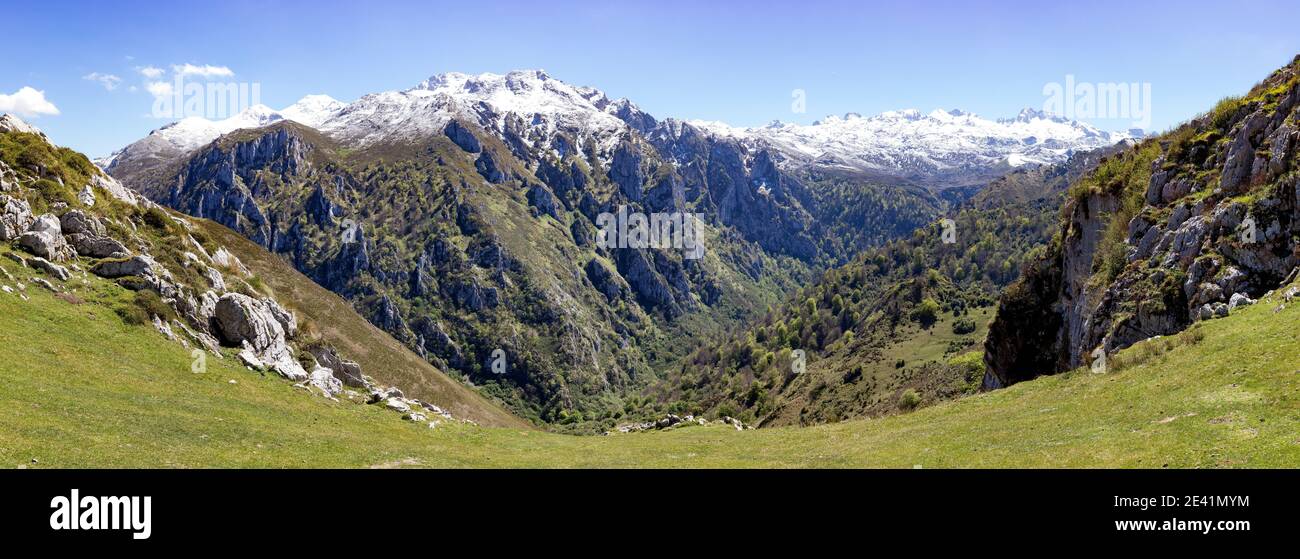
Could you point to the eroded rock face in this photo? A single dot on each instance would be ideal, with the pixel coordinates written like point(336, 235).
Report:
point(462, 137)
point(242, 320)
point(604, 280)
point(542, 201)
point(1187, 257)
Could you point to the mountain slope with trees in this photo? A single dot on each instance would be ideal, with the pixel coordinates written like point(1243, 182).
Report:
point(899, 327)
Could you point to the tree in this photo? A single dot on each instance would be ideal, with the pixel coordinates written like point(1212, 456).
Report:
point(926, 312)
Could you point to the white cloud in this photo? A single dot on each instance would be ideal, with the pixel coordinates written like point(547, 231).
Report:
point(27, 102)
point(109, 81)
point(206, 71)
point(150, 72)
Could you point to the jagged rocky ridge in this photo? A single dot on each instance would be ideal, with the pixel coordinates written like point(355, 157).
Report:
point(1178, 229)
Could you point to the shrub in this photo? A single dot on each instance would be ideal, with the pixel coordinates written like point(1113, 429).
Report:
point(963, 326)
point(926, 313)
point(909, 399)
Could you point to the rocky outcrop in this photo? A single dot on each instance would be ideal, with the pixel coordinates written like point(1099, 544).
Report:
point(1196, 249)
point(288, 322)
point(542, 201)
point(462, 137)
point(44, 238)
point(487, 166)
point(347, 372)
point(650, 287)
point(15, 217)
point(244, 321)
point(224, 183)
point(139, 265)
point(86, 235)
point(50, 268)
point(625, 171)
point(322, 210)
point(604, 280)
point(434, 339)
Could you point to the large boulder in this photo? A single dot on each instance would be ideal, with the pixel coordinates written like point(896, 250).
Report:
point(98, 247)
point(323, 378)
point(243, 320)
point(347, 372)
point(77, 222)
point(49, 268)
point(44, 238)
point(87, 236)
point(138, 265)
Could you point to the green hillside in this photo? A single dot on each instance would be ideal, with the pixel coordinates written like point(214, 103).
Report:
point(109, 394)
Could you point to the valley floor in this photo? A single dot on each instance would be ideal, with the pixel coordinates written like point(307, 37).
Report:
point(79, 388)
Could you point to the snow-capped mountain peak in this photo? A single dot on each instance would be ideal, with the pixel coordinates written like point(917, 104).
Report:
point(313, 110)
point(190, 133)
point(543, 103)
point(527, 93)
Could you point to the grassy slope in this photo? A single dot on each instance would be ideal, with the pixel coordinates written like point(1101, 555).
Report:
point(80, 388)
point(381, 356)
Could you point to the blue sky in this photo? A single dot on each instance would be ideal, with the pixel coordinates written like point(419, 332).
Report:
point(737, 62)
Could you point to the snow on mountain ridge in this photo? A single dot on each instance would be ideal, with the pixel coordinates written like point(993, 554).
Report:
point(542, 104)
point(914, 143)
point(534, 108)
point(313, 110)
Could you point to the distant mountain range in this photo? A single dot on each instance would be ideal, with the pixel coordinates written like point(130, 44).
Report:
point(942, 146)
point(935, 146)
